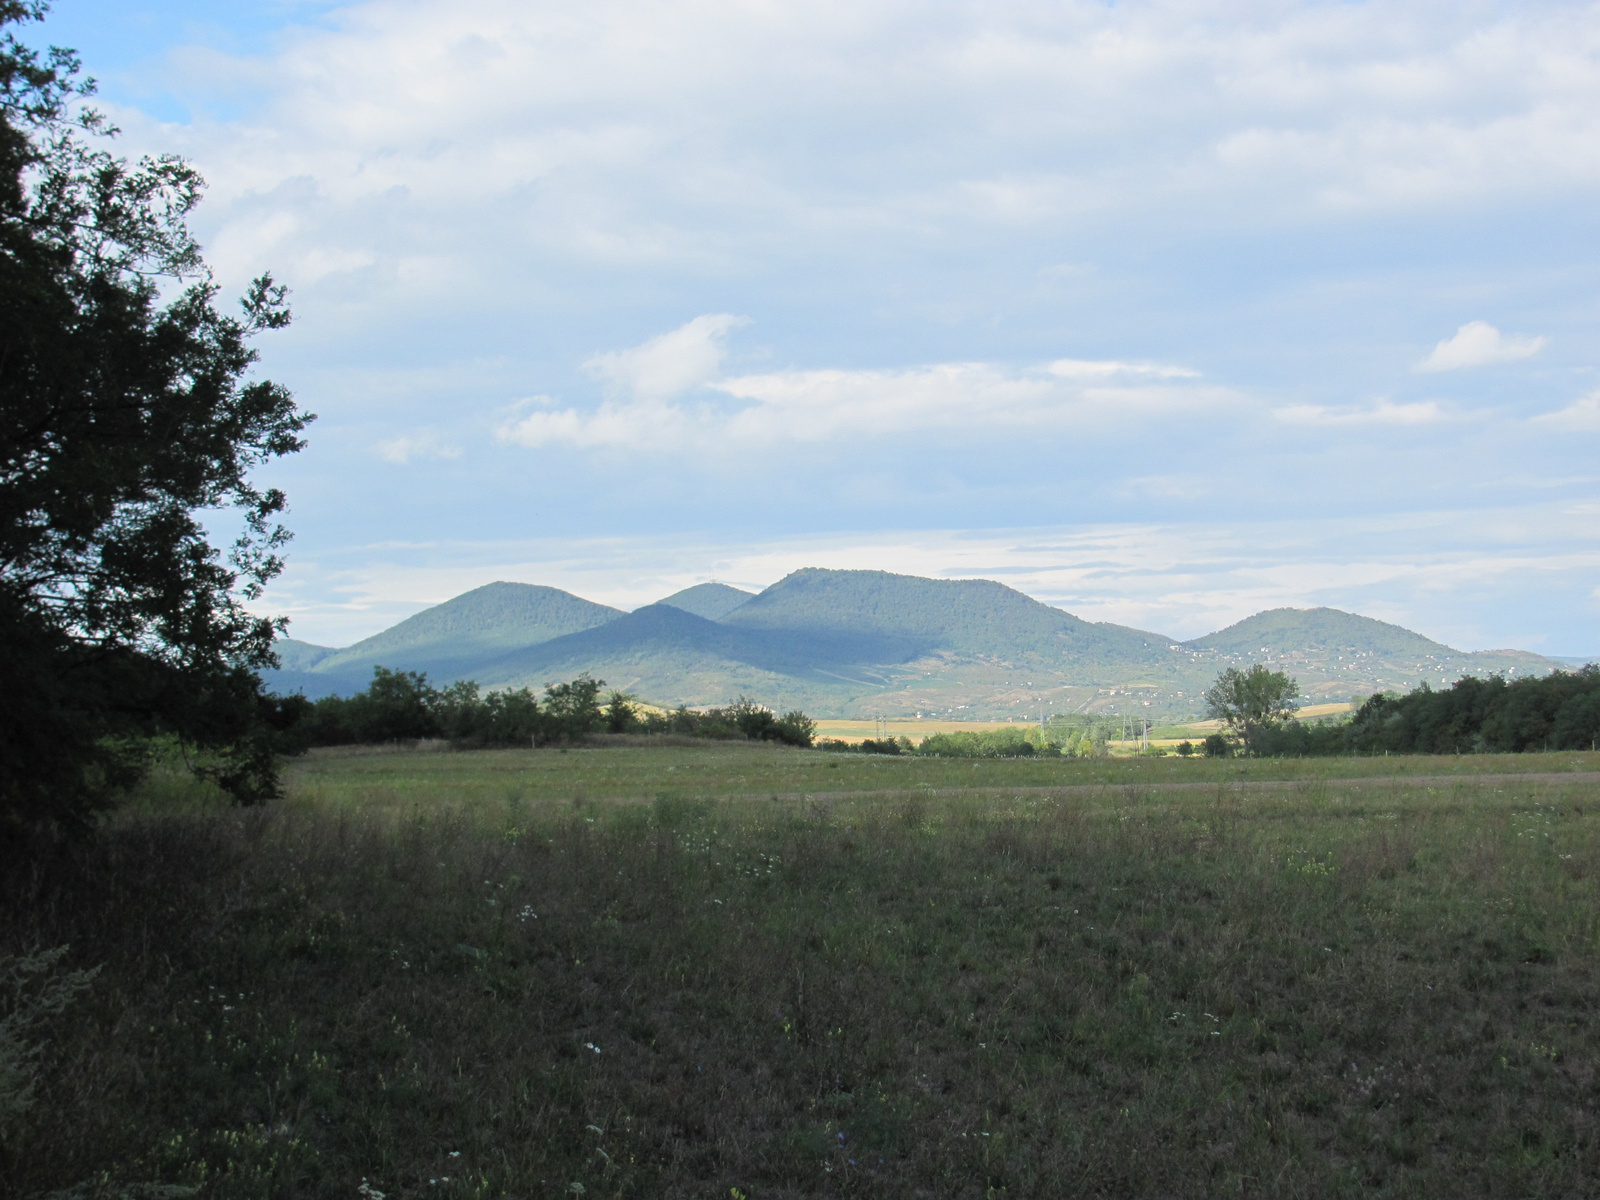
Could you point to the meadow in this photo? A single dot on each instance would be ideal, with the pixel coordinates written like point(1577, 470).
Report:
point(715, 970)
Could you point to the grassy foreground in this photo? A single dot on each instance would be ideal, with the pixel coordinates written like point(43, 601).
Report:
point(452, 975)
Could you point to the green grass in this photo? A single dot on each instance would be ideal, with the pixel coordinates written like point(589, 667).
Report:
point(532, 971)
point(366, 780)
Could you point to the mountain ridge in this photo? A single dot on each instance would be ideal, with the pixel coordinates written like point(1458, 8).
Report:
point(843, 643)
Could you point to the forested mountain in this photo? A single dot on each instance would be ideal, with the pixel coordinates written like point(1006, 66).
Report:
point(453, 640)
point(713, 601)
point(1329, 650)
point(961, 616)
point(672, 657)
point(1299, 630)
point(863, 642)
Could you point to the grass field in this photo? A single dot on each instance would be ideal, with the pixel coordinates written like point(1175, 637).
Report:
point(743, 971)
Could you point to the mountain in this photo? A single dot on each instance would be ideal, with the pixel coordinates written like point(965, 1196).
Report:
point(974, 617)
point(453, 640)
point(1334, 654)
point(857, 643)
point(300, 656)
point(1291, 630)
point(670, 656)
point(713, 601)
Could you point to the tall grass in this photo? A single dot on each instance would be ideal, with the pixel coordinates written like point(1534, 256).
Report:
point(1301, 990)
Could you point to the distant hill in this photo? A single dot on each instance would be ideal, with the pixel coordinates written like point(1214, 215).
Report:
point(855, 643)
point(300, 656)
point(713, 601)
point(1336, 654)
point(1285, 630)
point(670, 656)
point(495, 617)
point(976, 617)
point(453, 640)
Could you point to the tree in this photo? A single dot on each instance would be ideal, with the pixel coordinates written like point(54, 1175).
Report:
point(1251, 700)
point(572, 709)
point(124, 413)
point(621, 713)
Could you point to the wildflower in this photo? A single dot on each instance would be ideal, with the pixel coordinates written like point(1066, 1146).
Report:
point(367, 1192)
point(591, 1046)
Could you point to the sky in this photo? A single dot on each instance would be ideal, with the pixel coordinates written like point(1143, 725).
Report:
point(1161, 312)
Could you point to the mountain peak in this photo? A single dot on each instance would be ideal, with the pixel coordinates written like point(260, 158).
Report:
point(496, 616)
point(713, 601)
point(1282, 630)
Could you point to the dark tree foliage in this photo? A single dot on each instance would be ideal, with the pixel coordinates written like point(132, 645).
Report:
point(621, 715)
point(741, 719)
point(886, 745)
point(401, 706)
point(124, 412)
point(1559, 711)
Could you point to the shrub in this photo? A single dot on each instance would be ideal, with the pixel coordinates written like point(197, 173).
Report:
point(32, 991)
point(998, 743)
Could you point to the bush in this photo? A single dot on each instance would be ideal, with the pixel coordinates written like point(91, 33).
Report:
point(998, 743)
point(31, 992)
point(742, 719)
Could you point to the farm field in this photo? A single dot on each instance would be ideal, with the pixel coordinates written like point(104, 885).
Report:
point(747, 971)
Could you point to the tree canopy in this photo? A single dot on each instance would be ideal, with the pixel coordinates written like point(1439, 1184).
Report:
point(125, 416)
point(1250, 700)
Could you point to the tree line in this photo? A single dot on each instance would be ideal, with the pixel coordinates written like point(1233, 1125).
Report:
point(1559, 711)
point(402, 706)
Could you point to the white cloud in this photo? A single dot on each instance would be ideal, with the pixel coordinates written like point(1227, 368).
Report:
point(1422, 412)
point(973, 399)
point(1078, 368)
point(423, 443)
point(606, 133)
point(1582, 415)
point(671, 364)
point(1477, 344)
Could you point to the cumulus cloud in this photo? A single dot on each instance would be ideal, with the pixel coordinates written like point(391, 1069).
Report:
point(671, 364)
point(1477, 344)
point(405, 136)
point(423, 443)
point(973, 398)
point(1581, 416)
point(1384, 412)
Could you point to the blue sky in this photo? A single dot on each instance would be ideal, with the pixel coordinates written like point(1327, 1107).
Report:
point(1162, 312)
